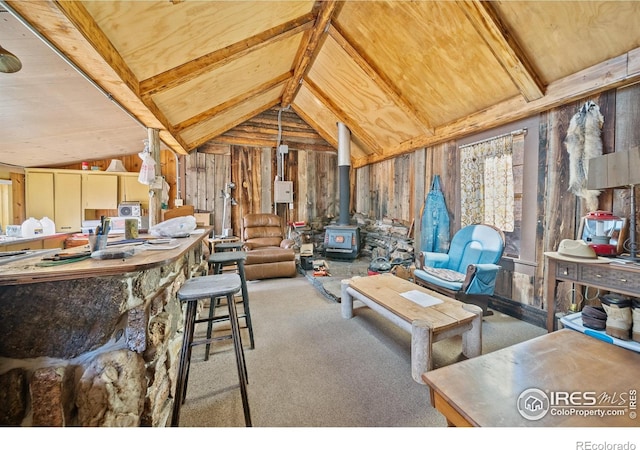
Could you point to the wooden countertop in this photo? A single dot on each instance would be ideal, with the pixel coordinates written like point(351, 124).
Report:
point(26, 270)
point(5, 240)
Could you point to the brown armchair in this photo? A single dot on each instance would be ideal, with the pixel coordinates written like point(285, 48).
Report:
point(269, 254)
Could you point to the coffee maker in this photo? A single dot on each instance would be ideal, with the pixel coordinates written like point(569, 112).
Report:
point(599, 227)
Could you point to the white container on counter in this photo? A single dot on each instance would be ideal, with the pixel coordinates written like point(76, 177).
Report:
point(48, 226)
point(31, 228)
point(14, 231)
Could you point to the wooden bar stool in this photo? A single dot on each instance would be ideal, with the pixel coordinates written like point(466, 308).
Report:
point(194, 289)
point(216, 262)
point(227, 246)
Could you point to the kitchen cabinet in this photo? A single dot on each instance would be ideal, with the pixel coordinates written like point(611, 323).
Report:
point(131, 190)
point(39, 195)
point(68, 197)
point(99, 191)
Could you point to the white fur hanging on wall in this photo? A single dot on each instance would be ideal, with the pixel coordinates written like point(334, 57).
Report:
point(584, 142)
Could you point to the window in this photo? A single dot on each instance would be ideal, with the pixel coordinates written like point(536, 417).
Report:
point(491, 185)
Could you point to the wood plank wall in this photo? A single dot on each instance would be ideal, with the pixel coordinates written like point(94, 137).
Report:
point(253, 171)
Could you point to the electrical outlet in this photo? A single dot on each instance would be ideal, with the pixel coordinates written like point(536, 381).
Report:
point(179, 202)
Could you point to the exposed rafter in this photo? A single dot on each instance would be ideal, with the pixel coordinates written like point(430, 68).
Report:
point(343, 117)
point(231, 103)
point(504, 47)
point(227, 126)
point(310, 47)
point(195, 68)
point(383, 83)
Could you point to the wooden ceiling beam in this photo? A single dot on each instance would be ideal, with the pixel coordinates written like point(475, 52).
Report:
point(228, 126)
point(193, 69)
point(309, 48)
point(211, 112)
point(344, 118)
point(504, 47)
point(358, 56)
point(313, 124)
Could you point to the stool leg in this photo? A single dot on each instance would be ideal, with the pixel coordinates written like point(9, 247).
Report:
point(240, 362)
point(212, 311)
point(185, 354)
point(245, 302)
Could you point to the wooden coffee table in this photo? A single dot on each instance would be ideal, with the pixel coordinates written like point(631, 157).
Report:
point(387, 295)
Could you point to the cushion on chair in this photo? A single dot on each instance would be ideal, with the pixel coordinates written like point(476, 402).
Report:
point(432, 282)
point(445, 274)
point(269, 254)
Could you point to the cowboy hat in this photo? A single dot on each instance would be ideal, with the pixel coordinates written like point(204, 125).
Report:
point(576, 251)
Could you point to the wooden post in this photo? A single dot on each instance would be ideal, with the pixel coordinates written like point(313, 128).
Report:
point(155, 194)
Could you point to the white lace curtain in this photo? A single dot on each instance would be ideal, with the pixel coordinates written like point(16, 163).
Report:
point(486, 183)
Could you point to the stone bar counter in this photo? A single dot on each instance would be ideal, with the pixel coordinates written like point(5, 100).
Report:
point(94, 342)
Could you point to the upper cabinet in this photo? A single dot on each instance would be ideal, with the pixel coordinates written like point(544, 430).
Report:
point(70, 196)
point(67, 201)
point(39, 194)
point(99, 191)
point(131, 190)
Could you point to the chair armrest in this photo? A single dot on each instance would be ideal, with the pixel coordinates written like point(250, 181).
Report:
point(287, 243)
point(432, 259)
point(248, 246)
point(480, 279)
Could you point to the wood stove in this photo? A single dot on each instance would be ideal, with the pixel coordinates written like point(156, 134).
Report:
point(342, 241)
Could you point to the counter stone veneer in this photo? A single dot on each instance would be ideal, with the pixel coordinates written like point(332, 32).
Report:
point(96, 351)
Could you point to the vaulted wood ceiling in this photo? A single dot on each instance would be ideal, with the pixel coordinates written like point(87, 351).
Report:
point(401, 75)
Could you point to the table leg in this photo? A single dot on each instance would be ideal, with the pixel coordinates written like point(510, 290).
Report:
point(550, 293)
point(472, 338)
point(346, 301)
point(421, 341)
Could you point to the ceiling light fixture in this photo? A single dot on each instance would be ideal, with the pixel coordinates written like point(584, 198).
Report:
point(9, 63)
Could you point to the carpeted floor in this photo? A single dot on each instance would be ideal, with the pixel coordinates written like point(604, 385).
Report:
point(312, 368)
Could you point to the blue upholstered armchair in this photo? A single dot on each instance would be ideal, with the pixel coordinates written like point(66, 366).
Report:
point(468, 272)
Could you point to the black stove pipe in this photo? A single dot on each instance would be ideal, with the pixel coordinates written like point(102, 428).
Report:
point(344, 166)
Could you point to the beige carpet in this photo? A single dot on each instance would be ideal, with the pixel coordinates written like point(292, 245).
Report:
point(311, 368)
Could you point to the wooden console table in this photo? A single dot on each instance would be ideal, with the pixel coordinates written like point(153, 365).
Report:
point(613, 277)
